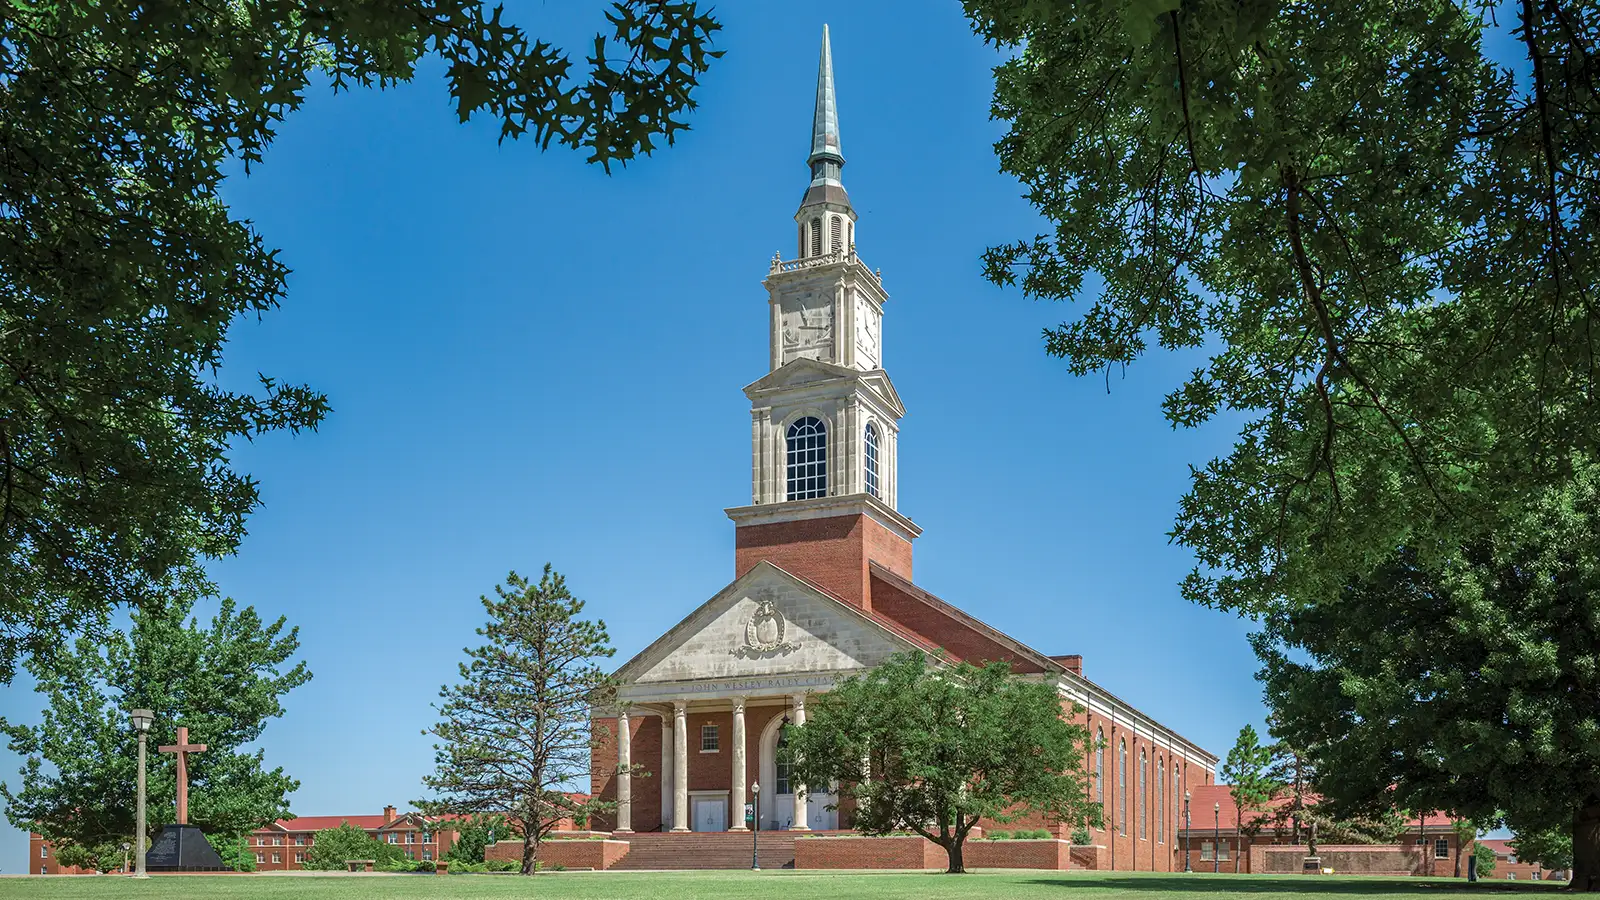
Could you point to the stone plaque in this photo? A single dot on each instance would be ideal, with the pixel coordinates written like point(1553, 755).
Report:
point(182, 848)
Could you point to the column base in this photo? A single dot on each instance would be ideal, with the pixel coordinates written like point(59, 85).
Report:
point(679, 829)
point(800, 828)
point(739, 828)
point(622, 831)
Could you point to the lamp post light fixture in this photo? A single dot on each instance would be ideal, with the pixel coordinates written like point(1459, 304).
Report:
point(755, 826)
point(125, 848)
point(1186, 866)
point(142, 719)
point(1216, 837)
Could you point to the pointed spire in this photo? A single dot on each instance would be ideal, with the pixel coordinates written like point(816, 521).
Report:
point(825, 122)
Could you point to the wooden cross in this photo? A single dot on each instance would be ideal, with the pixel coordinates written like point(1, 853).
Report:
point(182, 749)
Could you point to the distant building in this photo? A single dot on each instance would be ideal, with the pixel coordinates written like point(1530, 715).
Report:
point(1507, 867)
point(283, 845)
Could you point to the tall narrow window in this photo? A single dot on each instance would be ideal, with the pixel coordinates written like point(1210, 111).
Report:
point(1122, 787)
point(802, 249)
point(1161, 801)
point(870, 452)
point(816, 237)
point(782, 766)
point(808, 459)
point(1100, 770)
point(1144, 798)
point(849, 236)
point(837, 230)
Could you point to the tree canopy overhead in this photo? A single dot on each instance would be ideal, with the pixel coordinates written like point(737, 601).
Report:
point(121, 268)
point(1373, 220)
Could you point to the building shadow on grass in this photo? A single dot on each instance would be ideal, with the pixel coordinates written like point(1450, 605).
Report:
point(1243, 885)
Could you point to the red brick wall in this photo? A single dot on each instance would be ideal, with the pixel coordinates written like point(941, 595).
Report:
point(646, 734)
point(943, 628)
point(1130, 852)
point(570, 854)
point(833, 552)
point(42, 859)
point(712, 771)
point(891, 852)
point(1050, 854)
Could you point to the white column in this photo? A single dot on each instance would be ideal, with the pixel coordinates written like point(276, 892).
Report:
point(680, 767)
point(624, 774)
point(799, 789)
point(736, 792)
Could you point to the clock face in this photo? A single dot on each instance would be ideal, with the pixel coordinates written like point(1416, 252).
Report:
point(868, 324)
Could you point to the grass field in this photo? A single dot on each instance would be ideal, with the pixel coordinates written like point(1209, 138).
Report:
point(763, 886)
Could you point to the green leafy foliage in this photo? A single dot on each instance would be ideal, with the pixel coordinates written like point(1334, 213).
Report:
point(224, 681)
point(1377, 238)
point(121, 268)
point(474, 834)
point(1485, 858)
point(235, 852)
point(1550, 847)
point(933, 749)
point(1450, 685)
point(333, 848)
point(515, 733)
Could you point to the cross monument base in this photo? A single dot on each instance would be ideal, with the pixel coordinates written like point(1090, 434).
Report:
point(183, 848)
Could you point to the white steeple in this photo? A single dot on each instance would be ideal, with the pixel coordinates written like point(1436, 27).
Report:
point(826, 419)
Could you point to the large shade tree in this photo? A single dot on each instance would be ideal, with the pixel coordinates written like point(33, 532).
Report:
point(935, 749)
point(1370, 219)
point(225, 681)
point(121, 268)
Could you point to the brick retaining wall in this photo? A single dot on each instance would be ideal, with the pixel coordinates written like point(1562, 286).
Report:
point(568, 854)
point(888, 852)
point(1023, 854)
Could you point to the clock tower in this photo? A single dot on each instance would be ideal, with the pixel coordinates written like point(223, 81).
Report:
point(825, 420)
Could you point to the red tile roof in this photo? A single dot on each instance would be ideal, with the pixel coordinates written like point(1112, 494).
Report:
point(318, 823)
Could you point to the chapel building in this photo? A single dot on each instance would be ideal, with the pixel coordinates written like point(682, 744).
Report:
point(823, 585)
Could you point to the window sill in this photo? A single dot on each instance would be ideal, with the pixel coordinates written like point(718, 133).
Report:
point(710, 751)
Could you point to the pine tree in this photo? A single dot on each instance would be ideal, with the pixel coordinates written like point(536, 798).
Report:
point(1248, 776)
point(515, 733)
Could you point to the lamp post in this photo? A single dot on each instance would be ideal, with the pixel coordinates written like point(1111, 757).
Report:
point(125, 846)
point(1186, 866)
point(755, 826)
point(1216, 837)
point(142, 720)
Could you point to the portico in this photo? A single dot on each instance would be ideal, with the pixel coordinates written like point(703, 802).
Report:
point(761, 646)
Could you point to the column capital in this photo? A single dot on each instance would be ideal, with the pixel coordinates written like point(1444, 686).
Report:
point(738, 704)
point(679, 707)
point(799, 701)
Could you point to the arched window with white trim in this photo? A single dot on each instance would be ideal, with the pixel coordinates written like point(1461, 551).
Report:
point(1122, 787)
point(1161, 800)
point(1100, 771)
point(869, 453)
point(1144, 798)
point(807, 459)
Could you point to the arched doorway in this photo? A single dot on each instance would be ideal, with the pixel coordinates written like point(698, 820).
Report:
point(777, 796)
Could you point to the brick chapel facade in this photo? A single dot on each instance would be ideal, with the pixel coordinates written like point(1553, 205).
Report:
point(823, 584)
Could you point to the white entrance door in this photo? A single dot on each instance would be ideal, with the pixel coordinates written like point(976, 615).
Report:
point(710, 814)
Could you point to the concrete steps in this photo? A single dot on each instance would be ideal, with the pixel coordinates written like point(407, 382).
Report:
point(705, 850)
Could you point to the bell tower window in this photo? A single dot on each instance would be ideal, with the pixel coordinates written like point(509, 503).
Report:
point(837, 234)
point(808, 459)
point(816, 237)
point(869, 444)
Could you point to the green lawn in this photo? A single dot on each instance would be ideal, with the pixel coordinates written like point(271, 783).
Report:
point(751, 886)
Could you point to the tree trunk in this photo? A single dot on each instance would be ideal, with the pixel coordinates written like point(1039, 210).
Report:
point(1586, 847)
point(530, 853)
point(953, 849)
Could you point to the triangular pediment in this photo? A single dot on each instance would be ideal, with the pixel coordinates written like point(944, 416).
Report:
point(802, 372)
point(765, 623)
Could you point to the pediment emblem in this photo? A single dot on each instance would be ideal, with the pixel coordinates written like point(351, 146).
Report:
point(765, 631)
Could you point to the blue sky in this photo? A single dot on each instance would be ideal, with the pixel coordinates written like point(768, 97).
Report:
point(530, 361)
